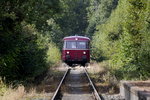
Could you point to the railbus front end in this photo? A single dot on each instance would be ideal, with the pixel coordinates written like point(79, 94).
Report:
point(76, 50)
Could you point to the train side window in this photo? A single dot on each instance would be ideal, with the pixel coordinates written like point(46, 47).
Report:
point(64, 46)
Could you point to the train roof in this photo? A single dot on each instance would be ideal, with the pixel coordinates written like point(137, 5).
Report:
point(76, 38)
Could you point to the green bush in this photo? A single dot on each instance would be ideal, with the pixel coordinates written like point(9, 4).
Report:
point(25, 53)
point(27, 41)
point(124, 40)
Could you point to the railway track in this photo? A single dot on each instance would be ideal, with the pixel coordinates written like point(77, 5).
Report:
point(76, 85)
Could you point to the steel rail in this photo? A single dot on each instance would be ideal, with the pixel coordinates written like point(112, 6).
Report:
point(97, 97)
point(59, 86)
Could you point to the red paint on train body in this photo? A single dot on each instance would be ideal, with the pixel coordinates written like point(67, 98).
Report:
point(76, 50)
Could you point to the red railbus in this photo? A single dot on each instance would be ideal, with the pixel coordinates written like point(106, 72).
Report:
point(76, 50)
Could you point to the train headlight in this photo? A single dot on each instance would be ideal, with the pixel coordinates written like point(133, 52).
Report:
point(84, 52)
point(67, 52)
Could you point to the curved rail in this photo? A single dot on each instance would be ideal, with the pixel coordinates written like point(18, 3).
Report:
point(97, 97)
point(59, 86)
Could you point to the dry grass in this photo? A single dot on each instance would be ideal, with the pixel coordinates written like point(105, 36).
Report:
point(13, 94)
point(103, 79)
point(95, 68)
point(3, 88)
point(101, 71)
point(34, 94)
point(20, 93)
point(42, 91)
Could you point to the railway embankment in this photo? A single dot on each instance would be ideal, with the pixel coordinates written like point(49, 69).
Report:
point(104, 81)
point(42, 89)
point(76, 84)
point(108, 87)
point(46, 89)
point(112, 89)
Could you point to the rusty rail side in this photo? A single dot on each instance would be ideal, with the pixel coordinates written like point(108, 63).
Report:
point(59, 86)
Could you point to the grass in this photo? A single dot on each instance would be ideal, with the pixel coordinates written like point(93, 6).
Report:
point(3, 88)
point(44, 90)
point(7, 93)
point(21, 94)
point(103, 79)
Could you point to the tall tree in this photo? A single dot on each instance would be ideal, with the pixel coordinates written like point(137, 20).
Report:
point(73, 17)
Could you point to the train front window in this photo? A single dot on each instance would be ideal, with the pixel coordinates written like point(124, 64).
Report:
point(81, 45)
point(76, 45)
point(71, 45)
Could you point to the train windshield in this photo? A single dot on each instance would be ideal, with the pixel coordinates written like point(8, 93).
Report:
point(81, 45)
point(76, 45)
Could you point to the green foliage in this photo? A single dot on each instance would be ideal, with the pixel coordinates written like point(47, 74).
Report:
point(73, 17)
point(55, 32)
point(124, 39)
point(31, 35)
point(26, 48)
point(53, 54)
point(98, 12)
point(3, 87)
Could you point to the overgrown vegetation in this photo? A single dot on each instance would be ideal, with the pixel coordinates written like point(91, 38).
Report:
point(26, 41)
point(105, 82)
point(31, 35)
point(123, 39)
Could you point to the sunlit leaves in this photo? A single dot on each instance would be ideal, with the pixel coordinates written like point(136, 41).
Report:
point(124, 39)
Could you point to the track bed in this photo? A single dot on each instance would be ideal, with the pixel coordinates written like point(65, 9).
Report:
point(76, 85)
